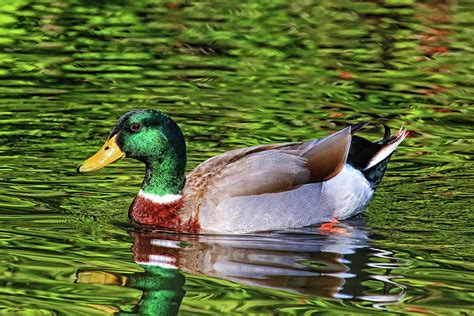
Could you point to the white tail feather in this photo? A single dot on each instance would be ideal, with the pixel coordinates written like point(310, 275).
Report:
point(388, 148)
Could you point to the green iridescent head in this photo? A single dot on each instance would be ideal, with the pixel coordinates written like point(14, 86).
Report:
point(148, 135)
point(152, 137)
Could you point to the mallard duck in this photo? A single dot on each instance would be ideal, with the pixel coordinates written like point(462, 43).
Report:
point(260, 188)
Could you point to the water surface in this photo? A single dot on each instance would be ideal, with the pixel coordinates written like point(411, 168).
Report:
point(234, 75)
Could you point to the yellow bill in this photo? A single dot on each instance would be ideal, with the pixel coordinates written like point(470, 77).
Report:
point(109, 153)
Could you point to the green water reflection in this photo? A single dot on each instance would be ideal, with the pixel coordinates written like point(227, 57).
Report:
point(234, 74)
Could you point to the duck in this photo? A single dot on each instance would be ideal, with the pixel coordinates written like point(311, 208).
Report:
point(270, 187)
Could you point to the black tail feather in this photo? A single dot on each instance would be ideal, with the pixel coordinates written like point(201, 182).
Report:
point(364, 155)
point(386, 135)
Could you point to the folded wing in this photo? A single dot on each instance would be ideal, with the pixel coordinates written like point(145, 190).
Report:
point(284, 176)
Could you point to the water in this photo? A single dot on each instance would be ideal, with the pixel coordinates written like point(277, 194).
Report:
point(233, 75)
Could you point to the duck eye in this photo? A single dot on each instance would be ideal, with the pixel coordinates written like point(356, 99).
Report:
point(135, 127)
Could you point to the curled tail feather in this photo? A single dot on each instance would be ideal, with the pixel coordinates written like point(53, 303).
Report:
point(389, 144)
point(371, 158)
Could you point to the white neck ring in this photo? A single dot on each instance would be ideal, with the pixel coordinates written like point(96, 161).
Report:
point(160, 199)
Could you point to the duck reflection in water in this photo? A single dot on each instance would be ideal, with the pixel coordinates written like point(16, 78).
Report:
point(302, 261)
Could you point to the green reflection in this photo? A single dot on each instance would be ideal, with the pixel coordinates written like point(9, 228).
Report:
point(233, 74)
point(163, 288)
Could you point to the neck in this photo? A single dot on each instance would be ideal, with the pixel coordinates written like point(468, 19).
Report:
point(160, 203)
point(165, 176)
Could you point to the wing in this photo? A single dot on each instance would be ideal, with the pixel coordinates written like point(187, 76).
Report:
point(266, 169)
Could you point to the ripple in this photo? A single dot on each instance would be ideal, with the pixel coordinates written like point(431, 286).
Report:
point(234, 76)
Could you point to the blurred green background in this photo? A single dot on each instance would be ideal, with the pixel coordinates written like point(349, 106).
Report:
point(234, 74)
